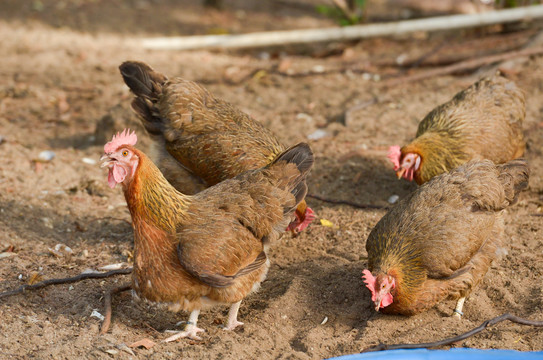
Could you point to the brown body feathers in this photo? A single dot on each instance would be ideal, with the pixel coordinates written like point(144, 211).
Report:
point(483, 121)
point(439, 241)
point(210, 248)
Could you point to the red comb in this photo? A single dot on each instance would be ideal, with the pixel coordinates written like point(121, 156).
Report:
point(123, 138)
point(394, 154)
point(369, 280)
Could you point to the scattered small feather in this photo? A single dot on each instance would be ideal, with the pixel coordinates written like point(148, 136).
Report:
point(7, 254)
point(111, 351)
point(327, 223)
point(145, 342)
point(393, 199)
point(97, 315)
point(34, 278)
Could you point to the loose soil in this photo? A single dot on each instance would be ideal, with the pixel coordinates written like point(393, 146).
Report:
point(60, 90)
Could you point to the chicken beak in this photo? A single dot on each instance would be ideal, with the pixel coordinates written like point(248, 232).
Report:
point(377, 303)
point(105, 163)
point(400, 173)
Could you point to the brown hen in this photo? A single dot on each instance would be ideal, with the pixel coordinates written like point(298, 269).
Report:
point(483, 121)
point(208, 248)
point(200, 140)
point(439, 242)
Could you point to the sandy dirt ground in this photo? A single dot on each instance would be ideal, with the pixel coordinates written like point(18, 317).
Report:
point(60, 90)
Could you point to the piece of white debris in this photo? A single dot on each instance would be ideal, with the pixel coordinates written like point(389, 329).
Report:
point(393, 199)
point(325, 320)
point(317, 134)
point(89, 161)
point(97, 315)
point(63, 247)
point(46, 155)
point(113, 266)
point(7, 254)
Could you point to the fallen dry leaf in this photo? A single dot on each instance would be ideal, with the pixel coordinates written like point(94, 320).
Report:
point(145, 342)
point(327, 223)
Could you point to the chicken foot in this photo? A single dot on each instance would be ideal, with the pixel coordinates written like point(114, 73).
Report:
point(458, 309)
point(191, 330)
point(233, 317)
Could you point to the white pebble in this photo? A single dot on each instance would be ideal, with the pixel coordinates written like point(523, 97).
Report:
point(46, 155)
point(303, 116)
point(318, 69)
point(393, 199)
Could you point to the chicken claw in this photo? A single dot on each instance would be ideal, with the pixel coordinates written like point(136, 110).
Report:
point(191, 330)
point(233, 317)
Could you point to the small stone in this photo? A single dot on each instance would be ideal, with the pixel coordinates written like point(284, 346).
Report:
point(393, 199)
point(317, 134)
point(47, 222)
point(46, 155)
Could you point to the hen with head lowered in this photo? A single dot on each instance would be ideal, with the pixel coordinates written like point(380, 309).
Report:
point(439, 241)
point(483, 121)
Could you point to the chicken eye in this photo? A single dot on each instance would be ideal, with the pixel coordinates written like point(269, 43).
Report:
point(125, 153)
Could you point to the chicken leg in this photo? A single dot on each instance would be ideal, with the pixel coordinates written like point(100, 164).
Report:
point(458, 309)
point(233, 317)
point(191, 330)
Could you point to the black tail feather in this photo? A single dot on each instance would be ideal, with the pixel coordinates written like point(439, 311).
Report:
point(142, 79)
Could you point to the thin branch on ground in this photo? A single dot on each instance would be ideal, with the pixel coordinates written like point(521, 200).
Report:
point(463, 336)
point(69, 280)
point(464, 66)
point(107, 305)
point(345, 202)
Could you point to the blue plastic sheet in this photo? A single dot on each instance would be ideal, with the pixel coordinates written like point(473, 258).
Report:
point(452, 354)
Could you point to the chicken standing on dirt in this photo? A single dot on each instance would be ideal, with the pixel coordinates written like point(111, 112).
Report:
point(208, 248)
point(439, 241)
point(483, 121)
point(200, 140)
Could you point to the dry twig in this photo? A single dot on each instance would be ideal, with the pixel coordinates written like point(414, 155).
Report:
point(69, 280)
point(464, 65)
point(345, 202)
point(107, 305)
point(460, 337)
